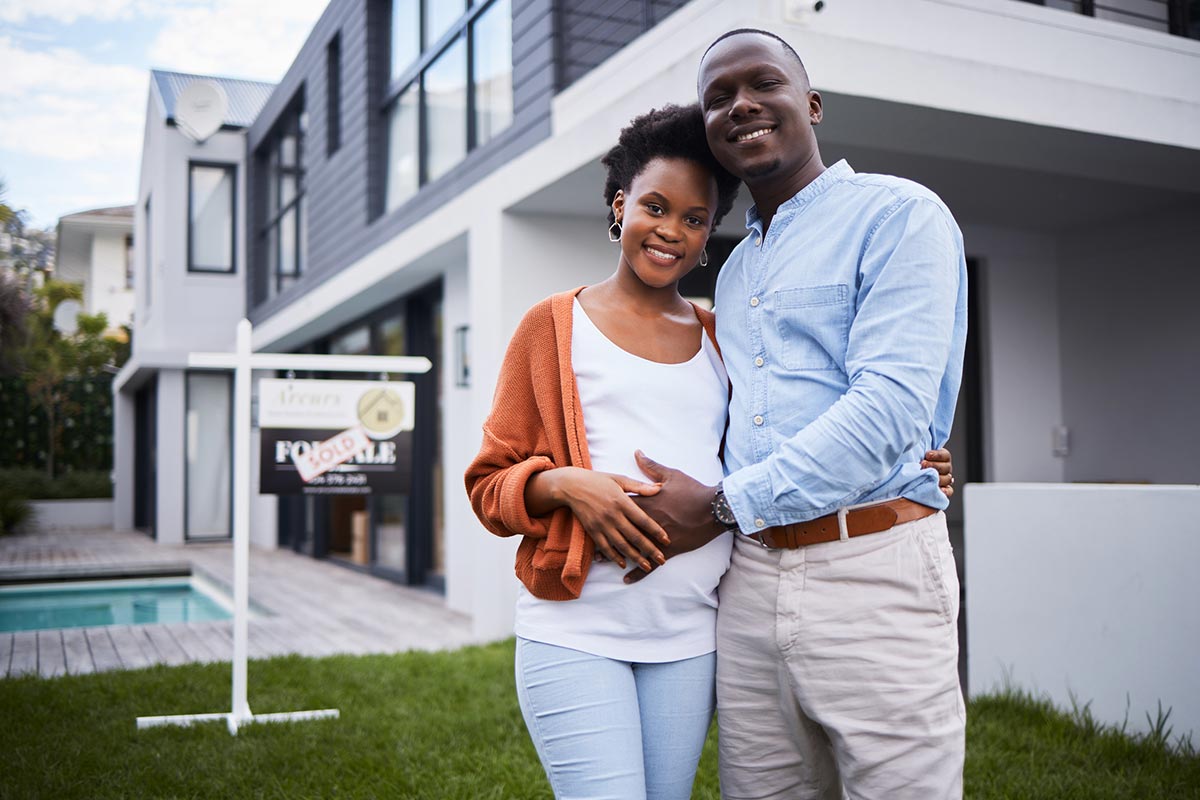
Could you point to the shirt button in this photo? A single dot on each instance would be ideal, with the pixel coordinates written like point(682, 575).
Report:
point(758, 420)
point(758, 362)
point(757, 241)
point(760, 522)
point(754, 302)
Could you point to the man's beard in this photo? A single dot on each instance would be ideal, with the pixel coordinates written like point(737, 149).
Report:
point(760, 170)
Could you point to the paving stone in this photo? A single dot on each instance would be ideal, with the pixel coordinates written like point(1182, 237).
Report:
point(299, 604)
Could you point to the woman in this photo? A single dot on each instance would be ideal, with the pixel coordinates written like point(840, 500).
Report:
point(616, 684)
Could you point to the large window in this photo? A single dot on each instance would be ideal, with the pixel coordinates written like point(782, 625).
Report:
point(210, 217)
point(283, 234)
point(450, 87)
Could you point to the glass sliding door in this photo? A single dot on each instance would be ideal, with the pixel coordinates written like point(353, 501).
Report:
point(391, 510)
point(209, 447)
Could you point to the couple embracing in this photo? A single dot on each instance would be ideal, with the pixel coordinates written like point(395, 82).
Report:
point(782, 455)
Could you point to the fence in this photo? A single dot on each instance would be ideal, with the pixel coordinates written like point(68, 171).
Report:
point(83, 420)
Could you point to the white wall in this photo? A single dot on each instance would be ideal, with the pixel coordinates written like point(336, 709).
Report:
point(185, 311)
point(514, 260)
point(124, 414)
point(106, 284)
point(170, 464)
point(1087, 592)
point(1020, 351)
point(1131, 350)
point(459, 438)
point(49, 514)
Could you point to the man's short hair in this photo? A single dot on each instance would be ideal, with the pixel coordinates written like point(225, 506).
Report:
point(759, 31)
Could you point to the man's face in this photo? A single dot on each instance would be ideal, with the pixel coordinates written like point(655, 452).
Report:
point(758, 109)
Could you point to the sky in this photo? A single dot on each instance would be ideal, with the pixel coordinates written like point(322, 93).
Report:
point(75, 78)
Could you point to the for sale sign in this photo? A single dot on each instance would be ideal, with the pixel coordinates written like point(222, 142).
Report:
point(335, 437)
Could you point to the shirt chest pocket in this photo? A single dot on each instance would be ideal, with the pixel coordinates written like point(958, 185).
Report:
point(813, 324)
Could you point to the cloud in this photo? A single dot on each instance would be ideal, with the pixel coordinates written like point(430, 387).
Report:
point(71, 126)
point(59, 104)
point(64, 11)
point(231, 37)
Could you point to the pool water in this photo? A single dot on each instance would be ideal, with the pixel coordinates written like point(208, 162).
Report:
point(116, 602)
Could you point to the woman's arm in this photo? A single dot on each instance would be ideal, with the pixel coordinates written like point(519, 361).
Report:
point(601, 503)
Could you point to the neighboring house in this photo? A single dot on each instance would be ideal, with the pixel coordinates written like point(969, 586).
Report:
point(413, 189)
point(172, 427)
point(95, 250)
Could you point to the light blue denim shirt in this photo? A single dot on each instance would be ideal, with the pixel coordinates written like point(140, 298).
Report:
point(843, 333)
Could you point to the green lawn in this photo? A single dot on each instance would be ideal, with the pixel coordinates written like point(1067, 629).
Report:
point(444, 726)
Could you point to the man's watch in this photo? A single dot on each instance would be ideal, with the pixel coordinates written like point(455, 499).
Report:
point(721, 511)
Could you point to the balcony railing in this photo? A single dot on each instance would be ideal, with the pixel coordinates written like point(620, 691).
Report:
point(1176, 17)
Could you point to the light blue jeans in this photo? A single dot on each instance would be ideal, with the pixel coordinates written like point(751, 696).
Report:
point(616, 730)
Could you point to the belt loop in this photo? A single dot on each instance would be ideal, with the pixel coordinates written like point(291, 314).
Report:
point(843, 533)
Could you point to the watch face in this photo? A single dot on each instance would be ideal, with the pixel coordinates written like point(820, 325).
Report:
point(722, 511)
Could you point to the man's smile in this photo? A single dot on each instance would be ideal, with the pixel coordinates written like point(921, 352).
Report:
point(751, 135)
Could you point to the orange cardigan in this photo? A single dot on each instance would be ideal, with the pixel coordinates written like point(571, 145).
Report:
point(536, 423)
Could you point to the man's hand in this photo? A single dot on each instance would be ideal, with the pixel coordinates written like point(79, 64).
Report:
point(601, 504)
point(939, 460)
point(683, 507)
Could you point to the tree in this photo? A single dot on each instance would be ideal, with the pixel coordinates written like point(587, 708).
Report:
point(14, 310)
point(52, 360)
point(6, 212)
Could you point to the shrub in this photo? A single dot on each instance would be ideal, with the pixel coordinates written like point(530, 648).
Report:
point(75, 485)
point(14, 509)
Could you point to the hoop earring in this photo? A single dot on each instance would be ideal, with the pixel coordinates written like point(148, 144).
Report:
point(614, 237)
point(704, 257)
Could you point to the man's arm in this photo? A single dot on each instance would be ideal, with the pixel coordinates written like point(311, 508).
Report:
point(898, 349)
point(897, 354)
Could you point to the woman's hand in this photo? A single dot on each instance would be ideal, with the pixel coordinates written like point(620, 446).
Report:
point(940, 460)
point(601, 503)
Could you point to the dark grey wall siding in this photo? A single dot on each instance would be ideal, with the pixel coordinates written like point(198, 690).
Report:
point(590, 32)
point(554, 43)
point(345, 191)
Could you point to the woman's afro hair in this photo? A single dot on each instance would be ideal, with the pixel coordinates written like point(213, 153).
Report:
point(669, 132)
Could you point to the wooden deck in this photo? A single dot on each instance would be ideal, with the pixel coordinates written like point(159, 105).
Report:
point(307, 607)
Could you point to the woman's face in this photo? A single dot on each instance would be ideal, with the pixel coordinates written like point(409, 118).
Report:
point(665, 219)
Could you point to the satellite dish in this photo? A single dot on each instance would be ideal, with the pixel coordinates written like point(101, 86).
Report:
point(66, 317)
point(200, 110)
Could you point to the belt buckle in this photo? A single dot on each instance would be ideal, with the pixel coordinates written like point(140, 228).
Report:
point(844, 511)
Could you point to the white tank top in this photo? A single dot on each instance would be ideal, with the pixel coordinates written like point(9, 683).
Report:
point(674, 413)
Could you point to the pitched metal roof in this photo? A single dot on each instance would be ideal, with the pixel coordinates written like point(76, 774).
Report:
point(115, 212)
point(246, 98)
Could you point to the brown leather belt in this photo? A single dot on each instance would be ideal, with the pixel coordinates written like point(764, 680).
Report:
point(859, 522)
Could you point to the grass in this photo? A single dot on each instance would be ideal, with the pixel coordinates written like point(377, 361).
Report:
point(446, 725)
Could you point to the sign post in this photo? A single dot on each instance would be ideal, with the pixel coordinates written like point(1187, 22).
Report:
point(243, 361)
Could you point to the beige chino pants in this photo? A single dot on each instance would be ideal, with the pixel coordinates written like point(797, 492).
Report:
point(837, 669)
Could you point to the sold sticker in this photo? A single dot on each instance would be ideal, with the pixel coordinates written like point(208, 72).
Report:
point(313, 461)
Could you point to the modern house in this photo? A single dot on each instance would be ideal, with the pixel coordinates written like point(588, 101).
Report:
point(426, 171)
point(172, 448)
point(95, 250)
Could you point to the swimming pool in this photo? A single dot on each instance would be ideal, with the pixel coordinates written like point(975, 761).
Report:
point(85, 604)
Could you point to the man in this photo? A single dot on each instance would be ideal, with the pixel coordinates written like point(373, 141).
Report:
point(842, 321)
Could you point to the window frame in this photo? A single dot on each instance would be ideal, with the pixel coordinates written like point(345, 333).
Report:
point(290, 121)
point(413, 76)
point(130, 261)
point(232, 171)
point(333, 94)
